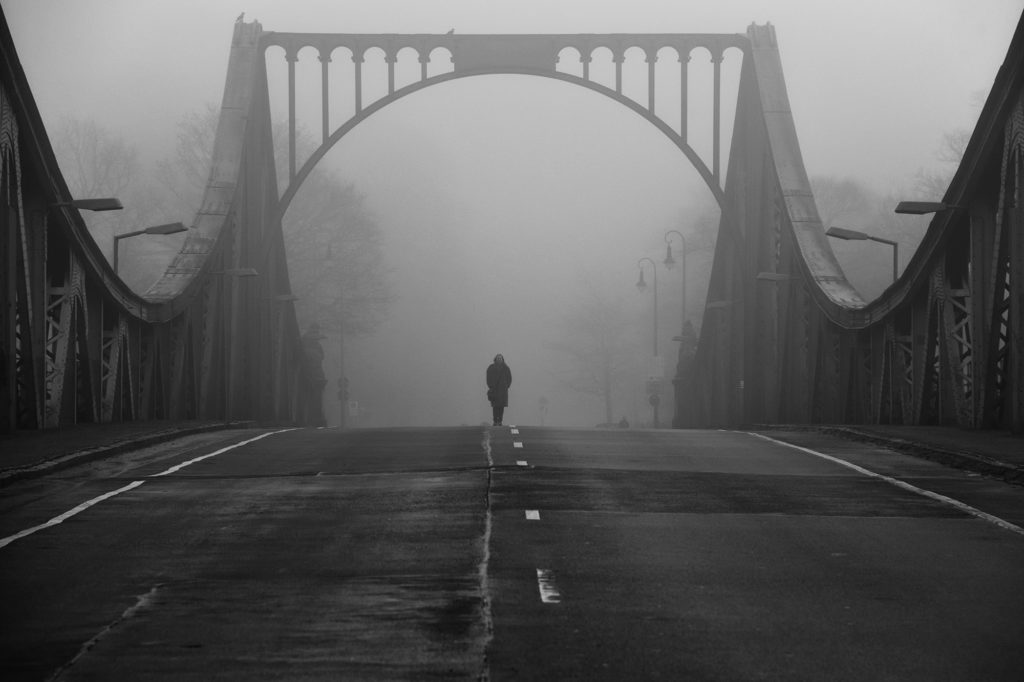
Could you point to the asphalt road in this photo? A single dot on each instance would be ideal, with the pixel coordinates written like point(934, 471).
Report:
point(458, 554)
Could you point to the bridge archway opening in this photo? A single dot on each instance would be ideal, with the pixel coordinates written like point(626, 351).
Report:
point(409, 150)
point(635, 78)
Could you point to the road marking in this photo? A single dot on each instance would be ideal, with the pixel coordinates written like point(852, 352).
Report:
point(517, 444)
point(512, 426)
point(515, 431)
point(178, 467)
point(68, 514)
point(546, 584)
point(966, 508)
point(521, 462)
point(483, 568)
point(532, 515)
point(61, 518)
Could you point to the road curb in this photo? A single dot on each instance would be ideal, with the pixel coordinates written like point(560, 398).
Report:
point(49, 466)
point(958, 459)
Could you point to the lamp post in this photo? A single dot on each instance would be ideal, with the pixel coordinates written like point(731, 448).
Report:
point(98, 204)
point(685, 338)
point(654, 387)
point(854, 235)
point(641, 285)
point(166, 228)
point(922, 207)
point(670, 263)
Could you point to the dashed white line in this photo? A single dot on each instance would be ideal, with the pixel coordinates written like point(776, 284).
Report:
point(517, 444)
point(515, 431)
point(549, 593)
point(533, 515)
point(966, 508)
point(521, 462)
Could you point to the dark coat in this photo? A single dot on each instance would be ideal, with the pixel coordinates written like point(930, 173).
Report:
point(499, 378)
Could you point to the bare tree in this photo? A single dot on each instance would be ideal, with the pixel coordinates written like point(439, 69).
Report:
point(840, 199)
point(932, 183)
point(335, 256)
point(99, 163)
point(596, 336)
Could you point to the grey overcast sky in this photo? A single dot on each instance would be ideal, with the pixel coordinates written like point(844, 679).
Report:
point(499, 192)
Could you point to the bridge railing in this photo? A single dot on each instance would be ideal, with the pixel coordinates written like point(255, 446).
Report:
point(943, 345)
point(215, 338)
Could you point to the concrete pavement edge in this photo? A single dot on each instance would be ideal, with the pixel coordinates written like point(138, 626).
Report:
point(958, 459)
point(49, 466)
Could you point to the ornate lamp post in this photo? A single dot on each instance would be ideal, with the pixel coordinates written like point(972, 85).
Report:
point(686, 338)
point(654, 388)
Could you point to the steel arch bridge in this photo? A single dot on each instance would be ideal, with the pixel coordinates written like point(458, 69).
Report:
point(206, 343)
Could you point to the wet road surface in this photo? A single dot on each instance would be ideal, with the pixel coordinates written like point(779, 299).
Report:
point(511, 554)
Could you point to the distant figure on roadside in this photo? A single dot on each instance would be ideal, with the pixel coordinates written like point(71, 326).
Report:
point(313, 353)
point(499, 378)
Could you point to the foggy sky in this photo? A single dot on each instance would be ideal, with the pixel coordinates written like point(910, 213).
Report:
point(496, 195)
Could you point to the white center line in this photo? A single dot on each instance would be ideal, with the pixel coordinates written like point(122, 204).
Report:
point(533, 515)
point(517, 444)
point(546, 584)
point(61, 518)
point(966, 508)
point(521, 462)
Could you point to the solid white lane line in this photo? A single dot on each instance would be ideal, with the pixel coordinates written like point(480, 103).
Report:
point(533, 515)
point(517, 444)
point(134, 484)
point(487, 447)
point(546, 584)
point(178, 467)
point(521, 462)
point(68, 514)
point(483, 568)
point(966, 508)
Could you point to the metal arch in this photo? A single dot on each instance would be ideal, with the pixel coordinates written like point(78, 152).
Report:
point(307, 167)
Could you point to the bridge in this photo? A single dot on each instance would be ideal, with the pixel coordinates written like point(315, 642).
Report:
point(785, 337)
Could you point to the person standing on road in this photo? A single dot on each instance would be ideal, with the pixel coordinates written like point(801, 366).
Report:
point(499, 378)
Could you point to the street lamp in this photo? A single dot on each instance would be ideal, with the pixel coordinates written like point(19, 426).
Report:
point(922, 207)
point(854, 235)
point(99, 204)
point(670, 263)
point(166, 228)
point(774, 277)
point(238, 272)
point(654, 385)
point(641, 285)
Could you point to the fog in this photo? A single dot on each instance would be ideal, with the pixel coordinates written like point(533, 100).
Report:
point(504, 201)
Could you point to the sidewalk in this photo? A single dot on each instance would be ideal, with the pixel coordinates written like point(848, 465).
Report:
point(994, 453)
point(28, 454)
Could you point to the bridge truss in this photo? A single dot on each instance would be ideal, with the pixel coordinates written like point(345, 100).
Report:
point(205, 342)
point(941, 345)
